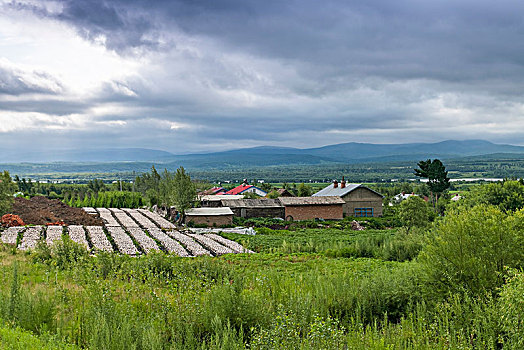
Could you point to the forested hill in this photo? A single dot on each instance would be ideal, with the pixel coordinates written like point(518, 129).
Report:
point(345, 153)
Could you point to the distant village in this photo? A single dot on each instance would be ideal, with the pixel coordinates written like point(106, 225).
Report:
point(334, 202)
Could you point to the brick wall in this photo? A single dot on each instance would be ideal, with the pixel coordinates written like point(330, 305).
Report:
point(259, 212)
point(218, 220)
point(308, 212)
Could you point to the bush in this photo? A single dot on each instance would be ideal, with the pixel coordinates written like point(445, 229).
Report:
point(469, 249)
point(511, 304)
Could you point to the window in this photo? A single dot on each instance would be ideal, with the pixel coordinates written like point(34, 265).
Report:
point(367, 212)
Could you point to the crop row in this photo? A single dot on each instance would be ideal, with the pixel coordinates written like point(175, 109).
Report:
point(140, 218)
point(123, 242)
point(53, 234)
point(78, 235)
point(10, 235)
point(98, 238)
point(31, 237)
point(169, 243)
point(145, 242)
point(157, 219)
point(129, 239)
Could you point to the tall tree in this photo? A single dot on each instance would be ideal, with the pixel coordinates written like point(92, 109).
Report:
point(183, 191)
point(7, 188)
point(304, 190)
point(435, 172)
point(414, 212)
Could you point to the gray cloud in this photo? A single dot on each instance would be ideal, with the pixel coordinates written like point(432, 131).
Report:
point(296, 73)
point(16, 82)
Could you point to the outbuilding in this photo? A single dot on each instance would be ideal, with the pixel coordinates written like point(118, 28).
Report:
point(210, 216)
point(308, 208)
point(359, 199)
point(214, 201)
point(255, 208)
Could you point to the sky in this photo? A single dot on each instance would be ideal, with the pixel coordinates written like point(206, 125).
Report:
point(196, 76)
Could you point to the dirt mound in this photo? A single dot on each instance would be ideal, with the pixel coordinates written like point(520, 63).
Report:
point(40, 211)
point(10, 220)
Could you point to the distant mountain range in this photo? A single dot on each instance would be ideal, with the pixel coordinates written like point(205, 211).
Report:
point(344, 153)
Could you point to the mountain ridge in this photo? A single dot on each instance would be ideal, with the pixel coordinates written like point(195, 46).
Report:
point(350, 152)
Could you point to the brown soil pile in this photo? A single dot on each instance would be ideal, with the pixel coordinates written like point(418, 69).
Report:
point(41, 211)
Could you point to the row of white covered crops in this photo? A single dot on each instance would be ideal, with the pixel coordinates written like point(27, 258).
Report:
point(127, 231)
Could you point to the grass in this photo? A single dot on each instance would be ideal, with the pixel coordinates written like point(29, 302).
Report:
point(17, 338)
point(307, 288)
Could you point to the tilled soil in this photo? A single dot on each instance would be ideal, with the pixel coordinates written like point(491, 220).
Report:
point(40, 211)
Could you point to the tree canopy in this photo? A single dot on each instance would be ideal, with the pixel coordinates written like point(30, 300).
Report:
point(7, 188)
point(507, 195)
point(435, 172)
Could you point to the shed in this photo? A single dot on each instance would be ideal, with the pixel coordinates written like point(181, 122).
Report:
point(255, 208)
point(359, 199)
point(307, 208)
point(215, 201)
point(210, 216)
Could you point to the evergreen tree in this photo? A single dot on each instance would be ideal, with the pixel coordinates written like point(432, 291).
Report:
point(435, 172)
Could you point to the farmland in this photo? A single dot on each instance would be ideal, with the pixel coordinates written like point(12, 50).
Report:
point(323, 286)
point(126, 231)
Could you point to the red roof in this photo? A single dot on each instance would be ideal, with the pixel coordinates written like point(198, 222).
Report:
point(239, 189)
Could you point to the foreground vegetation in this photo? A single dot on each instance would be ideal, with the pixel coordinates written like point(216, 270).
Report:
point(454, 286)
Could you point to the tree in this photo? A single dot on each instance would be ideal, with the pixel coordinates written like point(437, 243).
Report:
point(7, 188)
point(304, 190)
point(273, 194)
point(96, 185)
point(507, 195)
point(183, 191)
point(435, 172)
point(414, 212)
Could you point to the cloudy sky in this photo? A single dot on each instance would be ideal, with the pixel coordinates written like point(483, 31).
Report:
point(194, 75)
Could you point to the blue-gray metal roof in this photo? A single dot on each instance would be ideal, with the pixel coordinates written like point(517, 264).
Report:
point(330, 190)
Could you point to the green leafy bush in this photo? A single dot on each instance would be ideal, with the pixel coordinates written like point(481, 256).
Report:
point(470, 248)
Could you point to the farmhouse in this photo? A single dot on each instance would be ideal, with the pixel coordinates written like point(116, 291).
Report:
point(210, 216)
point(255, 208)
point(359, 200)
point(245, 188)
point(307, 208)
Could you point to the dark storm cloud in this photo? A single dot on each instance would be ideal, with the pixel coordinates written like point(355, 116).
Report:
point(288, 71)
point(406, 38)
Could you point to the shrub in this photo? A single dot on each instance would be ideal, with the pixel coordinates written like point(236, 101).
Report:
point(65, 252)
point(470, 248)
point(511, 304)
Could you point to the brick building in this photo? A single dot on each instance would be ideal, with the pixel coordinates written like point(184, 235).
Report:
point(307, 208)
point(359, 200)
point(210, 216)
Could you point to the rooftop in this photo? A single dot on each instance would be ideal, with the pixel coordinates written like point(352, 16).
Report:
point(219, 197)
point(251, 203)
point(209, 211)
point(320, 200)
point(340, 191)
